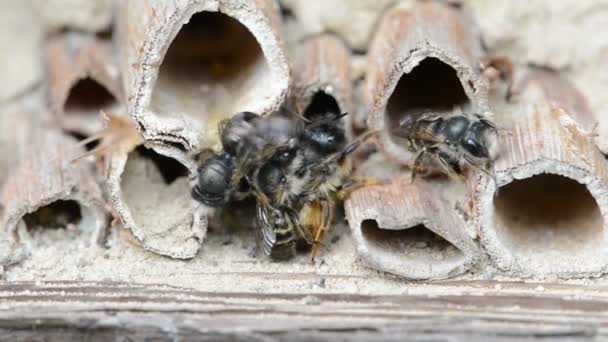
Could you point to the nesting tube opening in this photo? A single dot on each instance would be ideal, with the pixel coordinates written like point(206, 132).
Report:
point(152, 194)
point(58, 214)
point(213, 66)
point(88, 97)
point(60, 219)
point(417, 246)
point(548, 219)
point(431, 86)
point(321, 103)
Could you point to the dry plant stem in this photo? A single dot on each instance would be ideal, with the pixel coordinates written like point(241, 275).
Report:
point(412, 229)
point(43, 175)
point(161, 215)
point(547, 213)
point(423, 58)
point(322, 67)
point(188, 64)
point(71, 59)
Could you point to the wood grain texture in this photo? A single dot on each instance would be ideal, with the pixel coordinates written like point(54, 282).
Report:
point(538, 224)
point(441, 44)
point(101, 311)
point(146, 29)
point(380, 218)
point(42, 175)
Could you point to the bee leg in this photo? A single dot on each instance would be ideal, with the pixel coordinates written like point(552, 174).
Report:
point(299, 226)
point(417, 163)
point(326, 207)
point(450, 169)
point(355, 183)
point(480, 168)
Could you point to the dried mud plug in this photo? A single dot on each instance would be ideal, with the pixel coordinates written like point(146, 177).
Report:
point(150, 193)
point(187, 65)
point(546, 212)
point(423, 59)
point(411, 229)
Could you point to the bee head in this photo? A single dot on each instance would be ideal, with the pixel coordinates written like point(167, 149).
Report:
point(476, 140)
point(213, 187)
point(234, 129)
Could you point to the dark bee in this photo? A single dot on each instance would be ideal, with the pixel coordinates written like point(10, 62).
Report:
point(215, 185)
point(450, 140)
point(295, 168)
point(302, 186)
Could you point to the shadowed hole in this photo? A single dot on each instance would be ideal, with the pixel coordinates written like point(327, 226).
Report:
point(548, 214)
point(169, 168)
point(432, 86)
point(213, 67)
point(322, 103)
point(58, 214)
point(416, 244)
point(88, 97)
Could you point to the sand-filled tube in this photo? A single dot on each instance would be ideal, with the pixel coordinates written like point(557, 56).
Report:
point(44, 190)
point(150, 192)
point(412, 229)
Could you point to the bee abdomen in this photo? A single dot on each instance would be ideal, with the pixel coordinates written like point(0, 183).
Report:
point(284, 246)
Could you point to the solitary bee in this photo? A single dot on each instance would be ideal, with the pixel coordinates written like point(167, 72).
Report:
point(295, 168)
point(450, 140)
point(303, 184)
point(216, 184)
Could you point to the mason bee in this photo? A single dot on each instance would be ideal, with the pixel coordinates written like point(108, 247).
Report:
point(295, 168)
point(450, 140)
point(302, 186)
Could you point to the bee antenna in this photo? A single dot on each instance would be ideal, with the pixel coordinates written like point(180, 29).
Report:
point(338, 117)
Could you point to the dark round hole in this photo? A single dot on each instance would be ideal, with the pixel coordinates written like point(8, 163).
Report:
point(430, 86)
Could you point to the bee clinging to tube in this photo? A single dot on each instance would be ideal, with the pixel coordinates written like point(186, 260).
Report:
point(450, 141)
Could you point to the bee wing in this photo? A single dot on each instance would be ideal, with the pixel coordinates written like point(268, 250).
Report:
point(266, 232)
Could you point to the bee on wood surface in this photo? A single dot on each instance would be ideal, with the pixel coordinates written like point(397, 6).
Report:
point(450, 141)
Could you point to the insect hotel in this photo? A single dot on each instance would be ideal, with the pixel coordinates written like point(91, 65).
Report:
point(303, 170)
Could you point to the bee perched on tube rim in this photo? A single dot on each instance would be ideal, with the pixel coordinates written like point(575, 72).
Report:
point(450, 141)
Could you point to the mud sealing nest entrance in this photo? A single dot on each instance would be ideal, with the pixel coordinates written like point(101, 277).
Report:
point(432, 86)
point(213, 67)
point(548, 219)
point(418, 245)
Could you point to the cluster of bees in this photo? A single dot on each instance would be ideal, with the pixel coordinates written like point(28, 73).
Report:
point(297, 168)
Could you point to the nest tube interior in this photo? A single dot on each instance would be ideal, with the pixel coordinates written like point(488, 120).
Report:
point(431, 86)
point(420, 252)
point(213, 67)
point(151, 186)
point(548, 221)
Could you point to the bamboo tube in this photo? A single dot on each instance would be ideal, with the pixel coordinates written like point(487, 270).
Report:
point(322, 79)
point(83, 79)
point(547, 211)
point(44, 189)
point(423, 58)
point(150, 193)
point(415, 230)
point(188, 64)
